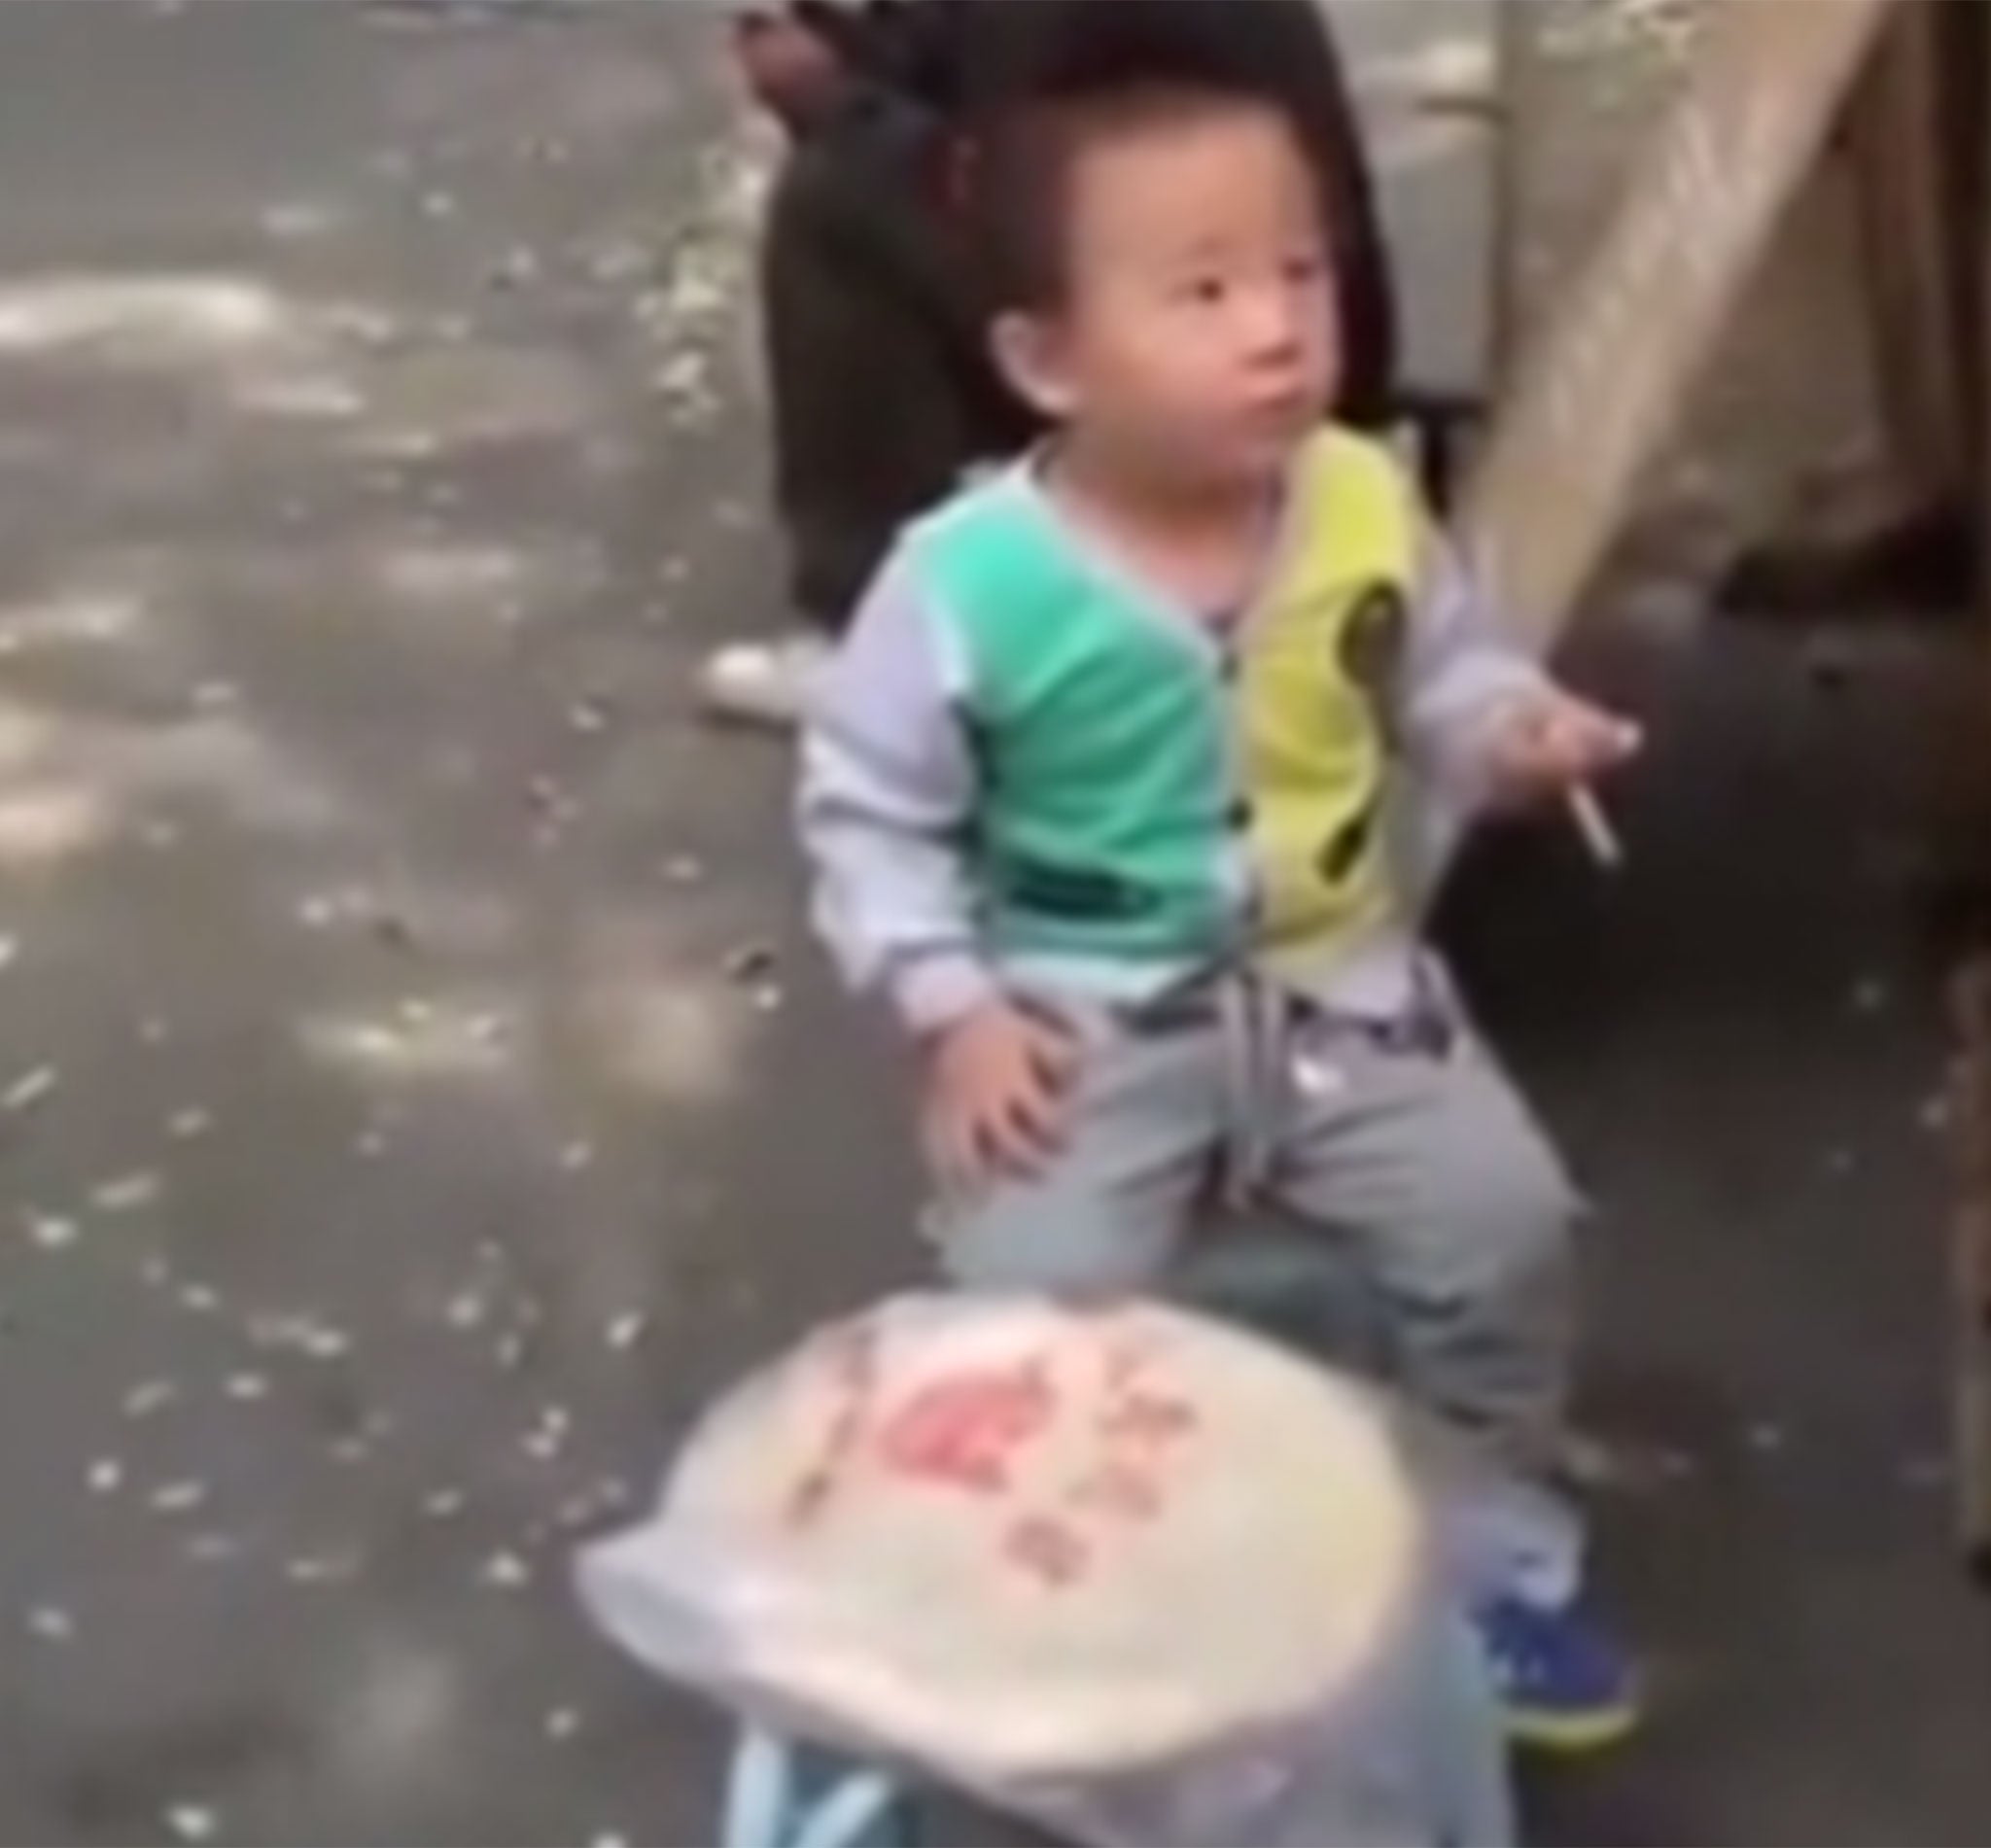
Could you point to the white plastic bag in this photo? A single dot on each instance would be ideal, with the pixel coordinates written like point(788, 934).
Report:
point(1129, 1575)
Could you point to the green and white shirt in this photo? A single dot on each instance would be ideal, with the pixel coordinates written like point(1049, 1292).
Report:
point(1027, 767)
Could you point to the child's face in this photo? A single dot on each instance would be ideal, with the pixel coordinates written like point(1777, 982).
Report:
point(1197, 339)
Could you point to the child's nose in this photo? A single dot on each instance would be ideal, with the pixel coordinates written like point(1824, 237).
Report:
point(1270, 331)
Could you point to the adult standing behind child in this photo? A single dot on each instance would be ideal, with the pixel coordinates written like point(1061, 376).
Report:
point(882, 390)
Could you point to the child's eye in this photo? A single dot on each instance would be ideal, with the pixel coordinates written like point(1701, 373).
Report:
point(1306, 267)
point(1206, 292)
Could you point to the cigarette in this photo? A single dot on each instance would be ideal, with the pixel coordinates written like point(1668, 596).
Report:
point(1599, 838)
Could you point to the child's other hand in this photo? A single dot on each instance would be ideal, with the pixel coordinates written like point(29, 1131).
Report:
point(1552, 743)
point(997, 1081)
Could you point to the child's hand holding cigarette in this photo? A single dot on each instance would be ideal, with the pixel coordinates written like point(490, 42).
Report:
point(1554, 745)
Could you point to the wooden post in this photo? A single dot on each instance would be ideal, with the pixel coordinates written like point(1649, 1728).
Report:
point(1970, 1348)
point(1602, 386)
point(1915, 138)
point(1970, 194)
point(1914, 169)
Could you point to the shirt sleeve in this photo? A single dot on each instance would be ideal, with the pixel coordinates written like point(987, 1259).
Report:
point(1461, 674)
point(887, 794)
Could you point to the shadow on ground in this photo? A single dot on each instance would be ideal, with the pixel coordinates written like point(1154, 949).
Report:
point(1741, 1044)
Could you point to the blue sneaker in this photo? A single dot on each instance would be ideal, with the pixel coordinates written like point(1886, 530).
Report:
point(1565, 1685)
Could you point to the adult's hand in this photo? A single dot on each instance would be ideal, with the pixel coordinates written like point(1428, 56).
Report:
point(788, 68)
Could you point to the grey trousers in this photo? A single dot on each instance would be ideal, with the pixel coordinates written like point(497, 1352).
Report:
point(1422, 1165)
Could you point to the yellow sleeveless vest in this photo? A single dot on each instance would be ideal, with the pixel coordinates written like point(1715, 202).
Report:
point(1319, 677)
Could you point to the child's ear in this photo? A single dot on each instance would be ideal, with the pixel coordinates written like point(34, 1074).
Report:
point(1030, 354)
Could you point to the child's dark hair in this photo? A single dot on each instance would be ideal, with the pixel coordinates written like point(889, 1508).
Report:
point(1109, 69)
